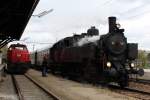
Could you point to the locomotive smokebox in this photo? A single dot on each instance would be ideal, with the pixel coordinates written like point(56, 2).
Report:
point(112, 24)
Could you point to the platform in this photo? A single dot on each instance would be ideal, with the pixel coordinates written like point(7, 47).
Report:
point(146, 74)
point(2, 74)
point(71, 90)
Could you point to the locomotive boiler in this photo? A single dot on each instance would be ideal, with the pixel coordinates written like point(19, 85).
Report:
point(18, 60)
point(107, 58)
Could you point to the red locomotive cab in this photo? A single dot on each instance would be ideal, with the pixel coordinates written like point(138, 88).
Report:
point(18, 53)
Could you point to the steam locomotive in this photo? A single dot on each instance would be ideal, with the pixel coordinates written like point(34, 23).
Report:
point(107, 58)
point(18, 59)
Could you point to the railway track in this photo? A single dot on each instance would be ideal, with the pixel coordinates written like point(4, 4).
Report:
point(144, 81)
point(136, 90)
point(29, 90)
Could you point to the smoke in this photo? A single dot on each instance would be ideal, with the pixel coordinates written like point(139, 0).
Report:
point(87, 39)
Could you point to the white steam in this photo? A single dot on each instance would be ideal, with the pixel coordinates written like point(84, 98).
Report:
point(87, 39)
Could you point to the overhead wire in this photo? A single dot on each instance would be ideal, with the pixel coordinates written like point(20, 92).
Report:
point(107, 2)
point(39, 43)
point(126, 14)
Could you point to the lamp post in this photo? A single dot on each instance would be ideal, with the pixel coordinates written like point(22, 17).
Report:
point(39, 16)
point(33, 47)
point(43, 13)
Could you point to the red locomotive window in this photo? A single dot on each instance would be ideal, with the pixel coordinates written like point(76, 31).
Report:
point(19, 48)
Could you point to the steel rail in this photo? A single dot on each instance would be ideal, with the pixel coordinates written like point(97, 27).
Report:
point(144, 81)
point(129, 89)
point(55, 97)
point(17, 88)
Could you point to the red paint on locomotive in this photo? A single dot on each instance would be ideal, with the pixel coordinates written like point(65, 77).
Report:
point(18, 53)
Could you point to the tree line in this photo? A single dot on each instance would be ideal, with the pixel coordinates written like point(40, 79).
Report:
point(143, 59)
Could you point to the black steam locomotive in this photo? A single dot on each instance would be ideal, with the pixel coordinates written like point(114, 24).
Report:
point(107, 58)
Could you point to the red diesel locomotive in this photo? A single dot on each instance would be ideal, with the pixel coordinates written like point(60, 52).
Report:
point(18, 59)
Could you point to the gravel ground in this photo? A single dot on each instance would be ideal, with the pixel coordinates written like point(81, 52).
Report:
point(7, 91)
point(70, 90)
point(140, 86)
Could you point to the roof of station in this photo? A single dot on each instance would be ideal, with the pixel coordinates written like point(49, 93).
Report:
point(14, 16)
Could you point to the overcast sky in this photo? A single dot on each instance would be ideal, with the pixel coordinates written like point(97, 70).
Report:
point(76, 16)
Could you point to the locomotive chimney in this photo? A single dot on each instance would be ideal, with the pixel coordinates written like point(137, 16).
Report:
point(112, 24)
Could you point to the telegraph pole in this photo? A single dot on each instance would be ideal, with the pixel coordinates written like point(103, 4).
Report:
point(33, 47)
